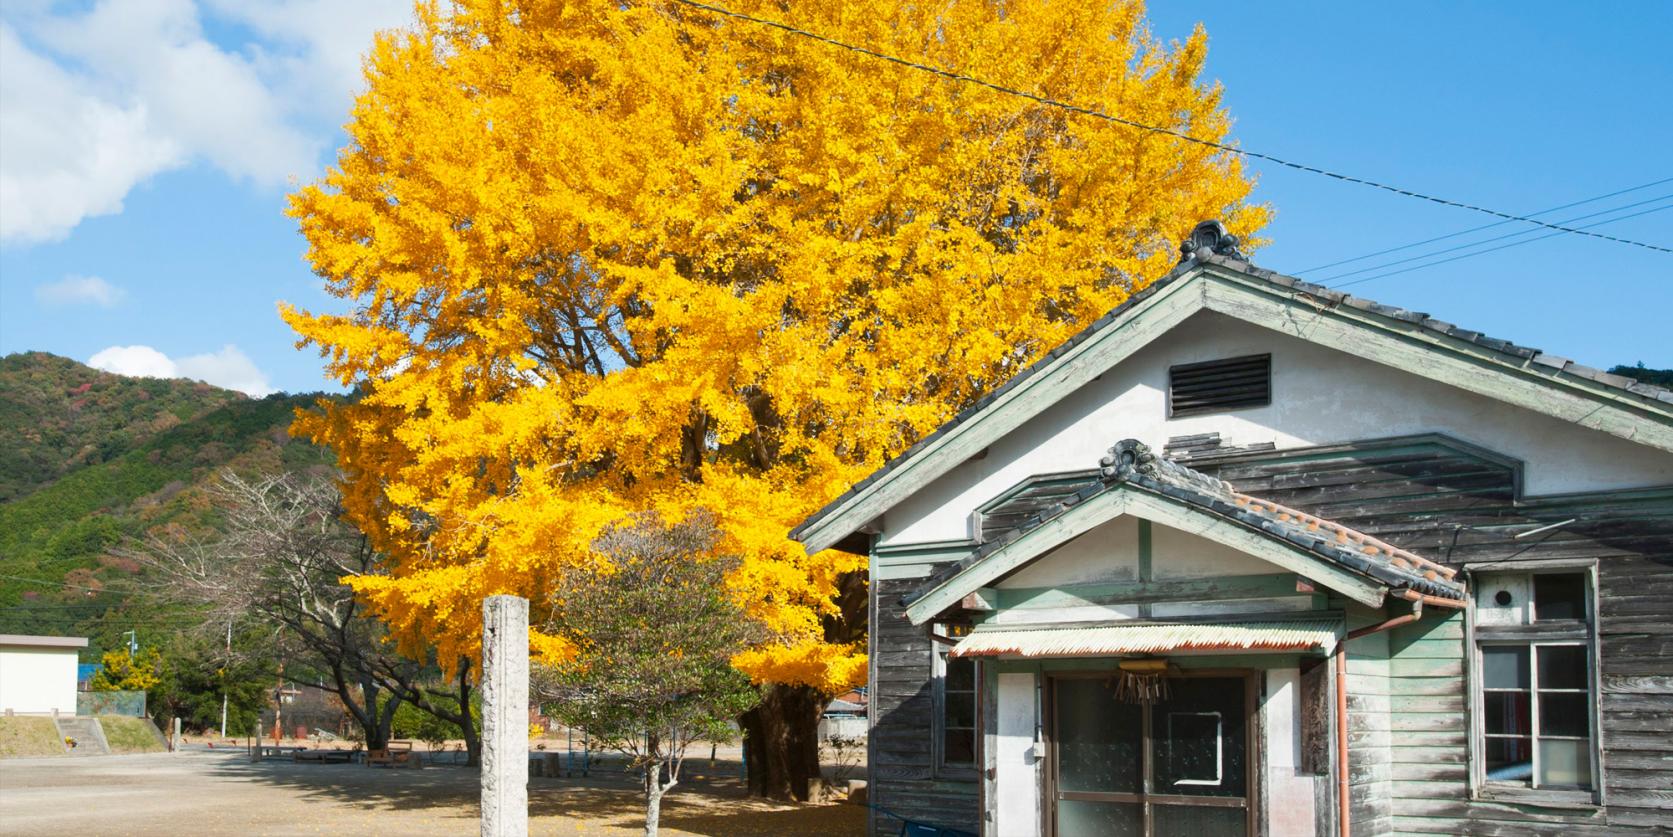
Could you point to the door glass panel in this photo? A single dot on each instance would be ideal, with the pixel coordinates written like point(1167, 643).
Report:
point(1199, 738)
point(1199, 821)
point(1565, 763)
point(1099, 740)
point(1099, 819)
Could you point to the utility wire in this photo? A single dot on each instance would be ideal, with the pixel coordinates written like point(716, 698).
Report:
point(1468, 245)
point(1493, 249)
point(1098, 114)
point(1480, 228)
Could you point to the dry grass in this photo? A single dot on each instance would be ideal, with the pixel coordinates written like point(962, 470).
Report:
point(131, 735)
point(29, 736)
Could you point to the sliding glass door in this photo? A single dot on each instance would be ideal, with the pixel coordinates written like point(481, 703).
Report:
point(1178, 766)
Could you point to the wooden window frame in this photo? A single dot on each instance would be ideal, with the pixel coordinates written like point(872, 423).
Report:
point(1254, 760)
point(1582, 633)
point(939, 767)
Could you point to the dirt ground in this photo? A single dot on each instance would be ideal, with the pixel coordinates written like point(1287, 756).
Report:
point(219, 792)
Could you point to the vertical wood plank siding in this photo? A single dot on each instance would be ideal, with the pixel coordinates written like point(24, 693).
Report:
point(1407, 710)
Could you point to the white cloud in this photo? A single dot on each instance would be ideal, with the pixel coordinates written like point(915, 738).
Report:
point(77, 290)
point(93, 102)
point(229, 368)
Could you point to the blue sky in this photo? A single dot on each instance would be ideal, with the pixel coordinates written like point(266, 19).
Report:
point(146, 147)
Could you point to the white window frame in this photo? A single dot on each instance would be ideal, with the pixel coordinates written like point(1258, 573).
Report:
point(1532, 637)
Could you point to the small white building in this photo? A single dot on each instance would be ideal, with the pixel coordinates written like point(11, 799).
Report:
point(38, 673)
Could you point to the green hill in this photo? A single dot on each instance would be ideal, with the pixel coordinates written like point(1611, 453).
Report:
point(112, 461)
point(57, 415)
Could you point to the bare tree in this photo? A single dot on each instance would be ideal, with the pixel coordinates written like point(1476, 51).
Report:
point(279, 560)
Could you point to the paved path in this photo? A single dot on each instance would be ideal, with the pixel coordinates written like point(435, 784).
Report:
point(221, 793)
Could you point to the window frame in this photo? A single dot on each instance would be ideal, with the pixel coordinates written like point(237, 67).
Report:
point(938, 709)
point(1582, 633)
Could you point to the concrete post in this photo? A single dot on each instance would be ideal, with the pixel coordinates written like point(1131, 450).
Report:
point(174, 743)
point(505, 716)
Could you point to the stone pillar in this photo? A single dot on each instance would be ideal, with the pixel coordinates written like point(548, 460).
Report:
point(505, 716)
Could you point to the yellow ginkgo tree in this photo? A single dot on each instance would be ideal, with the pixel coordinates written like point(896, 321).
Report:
point(612, 257)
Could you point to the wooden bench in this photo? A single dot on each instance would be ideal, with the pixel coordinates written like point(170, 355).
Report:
point(330, 755)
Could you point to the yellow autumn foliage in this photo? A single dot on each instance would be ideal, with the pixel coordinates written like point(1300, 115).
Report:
point(606, 257)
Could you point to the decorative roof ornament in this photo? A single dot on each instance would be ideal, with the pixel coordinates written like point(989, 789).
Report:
point(1124, 458)
point(1131, 459)
point(1210, 237)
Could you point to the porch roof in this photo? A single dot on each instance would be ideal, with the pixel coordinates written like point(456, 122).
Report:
point(1314, 634)
point(1132, 479)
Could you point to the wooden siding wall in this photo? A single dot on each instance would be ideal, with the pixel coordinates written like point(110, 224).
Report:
point(1417, 495)
point(902, 776)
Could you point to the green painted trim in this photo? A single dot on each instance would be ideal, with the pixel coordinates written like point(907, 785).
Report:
point(1125, 498)
point(1222, 588)
point(924, 548)
point(1147, 570)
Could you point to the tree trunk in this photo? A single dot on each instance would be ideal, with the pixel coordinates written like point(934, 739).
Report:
point(653, 797)
point(781, 742)
point(467, 726)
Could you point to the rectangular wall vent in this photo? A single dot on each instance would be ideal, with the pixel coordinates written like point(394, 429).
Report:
point(1216, 385)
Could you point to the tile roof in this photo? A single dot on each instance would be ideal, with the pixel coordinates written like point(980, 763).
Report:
point(1327, 298)
point(1131, 462)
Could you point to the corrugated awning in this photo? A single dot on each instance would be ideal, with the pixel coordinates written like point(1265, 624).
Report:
point(1315, 635)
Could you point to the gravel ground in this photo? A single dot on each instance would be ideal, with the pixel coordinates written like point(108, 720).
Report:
point(217, 792)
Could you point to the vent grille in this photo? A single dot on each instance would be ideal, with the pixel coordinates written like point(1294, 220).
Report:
point(1216, 385)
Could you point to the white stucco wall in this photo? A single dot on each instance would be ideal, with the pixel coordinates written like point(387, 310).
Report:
point(38, 680)
point(1288, 792)
point(1017, 776)
point(1320, 396)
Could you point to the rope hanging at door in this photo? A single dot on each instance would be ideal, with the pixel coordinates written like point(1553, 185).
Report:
point(1141, 681)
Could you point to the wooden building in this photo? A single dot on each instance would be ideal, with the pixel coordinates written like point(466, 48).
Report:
point(1251, 556)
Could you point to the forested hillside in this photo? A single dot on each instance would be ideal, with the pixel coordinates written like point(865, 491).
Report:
point(57, 415)
point(93, 459)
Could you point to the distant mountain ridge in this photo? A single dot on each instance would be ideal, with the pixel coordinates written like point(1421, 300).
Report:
point(93, 459)
point(57, 415)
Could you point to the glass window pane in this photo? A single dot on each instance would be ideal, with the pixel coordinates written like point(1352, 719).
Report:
point(1562, 667)
point(1559, 596)
point(961, 674)
point(1563, 713)
point(1565, 763)
point(1509, 759)
point(1199, 820)
point(1199, 737)
point(958, 747)
point(1099, 819)
point(1505, 667)
point(961, 710)
point(1099, 740)
point(1507, 713)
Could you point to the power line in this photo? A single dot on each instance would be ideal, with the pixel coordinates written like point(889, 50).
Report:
point(1500, 247)
point(1098, 114)
point(1480, 228)
point(1468, 245)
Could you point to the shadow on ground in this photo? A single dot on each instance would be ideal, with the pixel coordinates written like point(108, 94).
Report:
point(709, 801)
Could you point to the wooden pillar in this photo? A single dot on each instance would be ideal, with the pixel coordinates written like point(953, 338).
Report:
point(505, 716)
